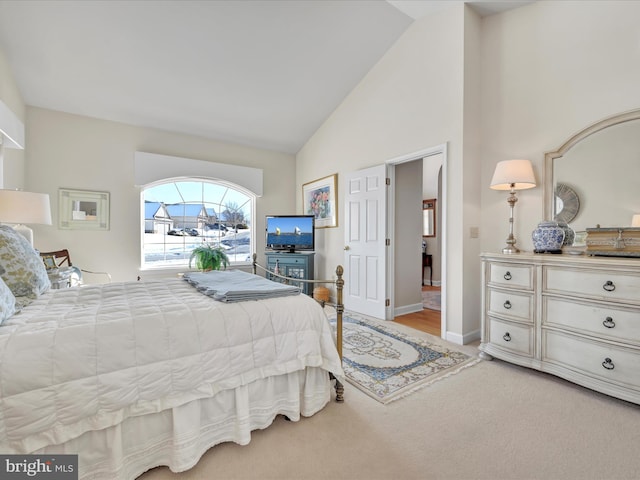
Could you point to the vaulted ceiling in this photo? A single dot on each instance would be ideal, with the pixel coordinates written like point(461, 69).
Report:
point(259, 73)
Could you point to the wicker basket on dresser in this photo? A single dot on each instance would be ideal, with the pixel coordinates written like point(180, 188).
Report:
point(577, 317)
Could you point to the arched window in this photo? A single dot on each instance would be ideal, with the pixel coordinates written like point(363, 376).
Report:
point(181, 214)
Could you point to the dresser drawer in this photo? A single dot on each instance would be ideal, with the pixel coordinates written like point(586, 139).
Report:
point(510, 336)
point(596, 284)
point(600, 360)
point(604, 321)
point(510, 275)
point(518, 306)
point(283, 260)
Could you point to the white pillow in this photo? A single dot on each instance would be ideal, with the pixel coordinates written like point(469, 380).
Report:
point(21, 267)
point(7, 302)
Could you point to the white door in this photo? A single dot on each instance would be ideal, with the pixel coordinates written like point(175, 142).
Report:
point(365, 234)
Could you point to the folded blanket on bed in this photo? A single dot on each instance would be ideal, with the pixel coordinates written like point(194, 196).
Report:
point(238, 286)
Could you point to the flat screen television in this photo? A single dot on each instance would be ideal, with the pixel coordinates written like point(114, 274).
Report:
point(291, 233)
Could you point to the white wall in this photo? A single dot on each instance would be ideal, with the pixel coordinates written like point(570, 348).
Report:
point(467, 181)
point(514, 85)
point(12, 174)
point(411, 100)
point(550, 69)
point(70, 151)
point(408, 235)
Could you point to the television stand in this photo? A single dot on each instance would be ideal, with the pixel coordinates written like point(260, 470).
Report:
point(294, 265)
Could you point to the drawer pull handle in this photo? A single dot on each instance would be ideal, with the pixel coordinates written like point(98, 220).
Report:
point(608, 364)
point(609, 323)
point(506, 337)
point(609, 286)
point(507, 276)
point(507, 305)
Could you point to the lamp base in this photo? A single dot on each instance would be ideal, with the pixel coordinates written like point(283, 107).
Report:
point(511, 240)
point(25, 231)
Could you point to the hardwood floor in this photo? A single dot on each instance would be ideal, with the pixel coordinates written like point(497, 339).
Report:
point(426, 320)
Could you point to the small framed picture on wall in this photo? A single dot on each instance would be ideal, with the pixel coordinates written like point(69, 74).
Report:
point(83, 210)
point(319, 198)
point(49, 262)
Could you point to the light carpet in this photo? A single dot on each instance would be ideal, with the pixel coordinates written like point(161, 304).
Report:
point(431, 299)
point(494, 421)
point(387, 364)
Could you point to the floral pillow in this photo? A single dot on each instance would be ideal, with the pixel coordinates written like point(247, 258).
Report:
point(21, 267)
point(7, 302)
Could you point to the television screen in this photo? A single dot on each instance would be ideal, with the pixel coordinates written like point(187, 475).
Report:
point(290, 232)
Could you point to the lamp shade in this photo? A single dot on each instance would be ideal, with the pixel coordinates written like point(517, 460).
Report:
point(516, 174)
point(635, 220)
point(21, 207)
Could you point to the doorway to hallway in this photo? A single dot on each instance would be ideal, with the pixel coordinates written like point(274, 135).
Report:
point(404, 261)
point(427, 320)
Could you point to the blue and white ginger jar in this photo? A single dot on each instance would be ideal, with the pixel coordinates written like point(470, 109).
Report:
point(548, 238)
point(569, 234)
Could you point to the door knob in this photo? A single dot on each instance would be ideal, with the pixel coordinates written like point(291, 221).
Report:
point(346, 247)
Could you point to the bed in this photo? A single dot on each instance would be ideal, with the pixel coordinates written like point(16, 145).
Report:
point(135, 375)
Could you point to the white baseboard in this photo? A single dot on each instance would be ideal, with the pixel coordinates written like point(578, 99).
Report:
point(416, 307)
point(463, 339)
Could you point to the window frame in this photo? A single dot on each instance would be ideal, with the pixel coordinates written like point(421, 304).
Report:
point(252, 204)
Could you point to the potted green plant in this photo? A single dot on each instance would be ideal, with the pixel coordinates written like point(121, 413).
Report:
point(208, 257)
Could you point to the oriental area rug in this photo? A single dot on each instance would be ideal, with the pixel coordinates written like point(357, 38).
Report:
point(387, 365)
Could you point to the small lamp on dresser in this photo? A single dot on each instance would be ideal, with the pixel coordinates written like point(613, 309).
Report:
point(512, 175)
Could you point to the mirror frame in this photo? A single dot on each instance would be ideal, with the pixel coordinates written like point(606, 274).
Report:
point(66, 219)
point(549, 181)
point(429, 218)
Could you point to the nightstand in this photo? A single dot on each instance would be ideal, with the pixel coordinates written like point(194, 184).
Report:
point(293, 265)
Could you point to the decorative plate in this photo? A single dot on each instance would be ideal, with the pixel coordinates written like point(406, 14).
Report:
point(567, 203)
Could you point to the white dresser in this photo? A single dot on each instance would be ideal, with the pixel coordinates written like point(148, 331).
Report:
point(577, 317)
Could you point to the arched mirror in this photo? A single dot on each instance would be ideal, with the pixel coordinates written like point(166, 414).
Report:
point(594, 178)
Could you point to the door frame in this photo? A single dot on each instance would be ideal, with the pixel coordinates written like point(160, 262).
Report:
point(390, 273)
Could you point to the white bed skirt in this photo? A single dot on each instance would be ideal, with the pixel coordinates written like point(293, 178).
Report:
point(178, 437)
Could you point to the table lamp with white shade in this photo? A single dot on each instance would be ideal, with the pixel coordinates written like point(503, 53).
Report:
point(512, 175)
point(19, 208)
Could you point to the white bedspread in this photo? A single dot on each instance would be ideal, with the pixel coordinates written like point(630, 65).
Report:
point(85, 358)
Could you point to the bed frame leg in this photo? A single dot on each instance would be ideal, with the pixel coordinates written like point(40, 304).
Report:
point(339, 388)
point(339, 391)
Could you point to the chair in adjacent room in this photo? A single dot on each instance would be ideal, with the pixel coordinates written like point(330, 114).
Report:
point(72, 274)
